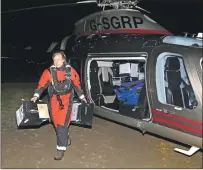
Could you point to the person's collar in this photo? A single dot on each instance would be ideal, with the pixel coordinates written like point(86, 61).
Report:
point(62, 68)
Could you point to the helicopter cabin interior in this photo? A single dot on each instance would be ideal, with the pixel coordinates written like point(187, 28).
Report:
point(118, 84)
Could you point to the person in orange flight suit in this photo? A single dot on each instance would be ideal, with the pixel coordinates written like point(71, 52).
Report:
point(61, 80)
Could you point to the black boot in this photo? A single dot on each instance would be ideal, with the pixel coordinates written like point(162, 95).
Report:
point(59, 155)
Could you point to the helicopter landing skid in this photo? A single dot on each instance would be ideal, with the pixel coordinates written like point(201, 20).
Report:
point(190, 152)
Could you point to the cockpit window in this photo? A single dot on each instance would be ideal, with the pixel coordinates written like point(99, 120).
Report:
point(172, 82)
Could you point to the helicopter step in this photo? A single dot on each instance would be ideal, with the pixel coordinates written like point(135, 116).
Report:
point(190, 152)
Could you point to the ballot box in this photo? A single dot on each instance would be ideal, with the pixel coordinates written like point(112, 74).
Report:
point(32, 114)
point(82, 113)
point(76, 108)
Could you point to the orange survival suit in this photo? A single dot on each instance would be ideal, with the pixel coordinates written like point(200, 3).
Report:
point(61, 83)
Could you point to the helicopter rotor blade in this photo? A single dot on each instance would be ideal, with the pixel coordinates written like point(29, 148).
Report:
point(85, 2)
point(47, 6)
point(64, 4)
point(142, 9)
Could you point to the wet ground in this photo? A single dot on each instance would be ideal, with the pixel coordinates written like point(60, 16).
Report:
point(106, 145)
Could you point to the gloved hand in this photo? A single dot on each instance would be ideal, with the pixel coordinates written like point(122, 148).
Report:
point(34, 99)
point(82, 97)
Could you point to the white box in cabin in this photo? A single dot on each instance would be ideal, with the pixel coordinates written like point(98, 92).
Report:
point(124, 68)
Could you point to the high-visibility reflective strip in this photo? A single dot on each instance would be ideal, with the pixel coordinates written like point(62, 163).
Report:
point(62, 148)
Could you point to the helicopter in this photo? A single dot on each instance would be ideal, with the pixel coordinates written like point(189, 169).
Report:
point(137, 73)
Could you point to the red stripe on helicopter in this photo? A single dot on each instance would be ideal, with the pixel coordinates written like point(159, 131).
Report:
point(178, 125)
point(176, 117)
point(130, 31)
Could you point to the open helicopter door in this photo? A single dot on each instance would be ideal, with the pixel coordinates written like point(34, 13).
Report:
point(175, 95)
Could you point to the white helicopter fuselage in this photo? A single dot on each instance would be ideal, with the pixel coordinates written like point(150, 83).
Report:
point(118, 21)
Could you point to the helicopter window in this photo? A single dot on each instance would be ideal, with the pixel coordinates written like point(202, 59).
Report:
point(201, 63)
point(173, 83)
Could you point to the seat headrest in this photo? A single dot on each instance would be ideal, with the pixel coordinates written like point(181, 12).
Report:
point(172, 64)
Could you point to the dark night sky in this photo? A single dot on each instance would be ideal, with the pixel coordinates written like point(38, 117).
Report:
point(49, 24)
point(38, 28)
point(46, 24)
